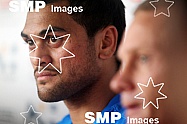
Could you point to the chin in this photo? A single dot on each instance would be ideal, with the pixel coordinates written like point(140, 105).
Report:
point(46, 96)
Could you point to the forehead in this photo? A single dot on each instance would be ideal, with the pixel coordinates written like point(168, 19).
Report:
point(37, 21)
point(145, 32)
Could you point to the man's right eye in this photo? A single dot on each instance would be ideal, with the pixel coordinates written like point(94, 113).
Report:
point(30, 42)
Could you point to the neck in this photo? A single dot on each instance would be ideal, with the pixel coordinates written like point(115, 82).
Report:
point(92, 99)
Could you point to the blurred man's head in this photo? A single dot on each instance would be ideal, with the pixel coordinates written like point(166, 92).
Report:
point(155, 47)
point(94, 36)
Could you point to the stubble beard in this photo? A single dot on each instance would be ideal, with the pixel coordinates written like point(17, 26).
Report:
point(78, 83)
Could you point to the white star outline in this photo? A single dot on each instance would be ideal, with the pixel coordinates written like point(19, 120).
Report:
point(155, 11)
point(63, 47)
point(150, 102)
point(31, 107)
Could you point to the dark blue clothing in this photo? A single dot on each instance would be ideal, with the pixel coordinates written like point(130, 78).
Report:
point(113, 106)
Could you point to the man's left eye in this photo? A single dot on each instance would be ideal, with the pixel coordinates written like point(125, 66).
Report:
point(52, 40)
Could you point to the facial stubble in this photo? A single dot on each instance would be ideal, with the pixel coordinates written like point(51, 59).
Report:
point(79, 80)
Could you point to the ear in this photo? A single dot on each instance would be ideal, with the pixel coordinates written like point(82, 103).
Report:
point(108, 42)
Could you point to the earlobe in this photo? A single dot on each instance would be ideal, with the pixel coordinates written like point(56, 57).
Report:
point(108, 43)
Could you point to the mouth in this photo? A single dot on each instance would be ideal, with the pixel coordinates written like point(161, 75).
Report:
point(133, 109)
point(45, 75)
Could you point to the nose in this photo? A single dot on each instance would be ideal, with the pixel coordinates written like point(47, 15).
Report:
point(40, 56)
point(122, 80)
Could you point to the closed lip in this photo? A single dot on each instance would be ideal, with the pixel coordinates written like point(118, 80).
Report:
point(132, 108)
point(44, 74)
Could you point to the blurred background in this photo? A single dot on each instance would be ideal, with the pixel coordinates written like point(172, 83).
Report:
point(17, 85)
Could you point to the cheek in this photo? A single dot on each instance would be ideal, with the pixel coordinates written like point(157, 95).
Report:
point(34, 62)
point(62, 53)
point(162, 74)
point(158, 68)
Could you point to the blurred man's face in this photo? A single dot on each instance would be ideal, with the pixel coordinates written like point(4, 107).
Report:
point(157, 48)
point(78, 73)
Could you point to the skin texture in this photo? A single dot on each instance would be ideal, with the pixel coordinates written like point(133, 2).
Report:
point(85, 78)
point(157, 48)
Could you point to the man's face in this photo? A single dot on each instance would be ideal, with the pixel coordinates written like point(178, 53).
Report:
point(78, 73)
point(157, 48)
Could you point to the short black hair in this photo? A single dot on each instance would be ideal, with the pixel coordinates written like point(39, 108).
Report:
point(98, 14)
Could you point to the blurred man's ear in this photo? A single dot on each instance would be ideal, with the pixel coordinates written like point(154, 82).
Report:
point(108, 42)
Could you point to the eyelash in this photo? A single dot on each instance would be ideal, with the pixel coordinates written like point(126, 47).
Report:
point(48, 38)
point(51, 38)
point(28, 42)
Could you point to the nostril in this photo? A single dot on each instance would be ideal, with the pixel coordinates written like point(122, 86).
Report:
point(45, 59)
point(42, 60)
point(43, 64)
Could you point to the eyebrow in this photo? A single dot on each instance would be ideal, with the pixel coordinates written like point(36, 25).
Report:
point(44, 31)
